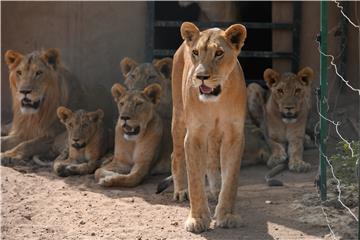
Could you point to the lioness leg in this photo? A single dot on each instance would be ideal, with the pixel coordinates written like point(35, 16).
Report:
point(256, 103)
point(111, 168)
point(213, 168)
point(278, 154)
point(231, 153)
point(195, 150)
point(9, 142)
point(82, 168)
point(295, 151)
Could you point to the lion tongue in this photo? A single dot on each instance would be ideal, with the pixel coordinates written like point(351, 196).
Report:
point(205, 89)
point(128, 128)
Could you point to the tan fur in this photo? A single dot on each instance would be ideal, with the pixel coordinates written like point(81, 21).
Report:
point(283, 114)
point(210, 127)
point(137, 77)
point(138, 135)
point(33, 130)
point(87, 142)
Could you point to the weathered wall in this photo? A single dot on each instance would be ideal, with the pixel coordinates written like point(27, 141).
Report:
point(93, 37)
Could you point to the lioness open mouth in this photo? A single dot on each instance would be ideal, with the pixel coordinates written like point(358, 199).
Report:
point(78, 145)
point(205, 90)
point(131, 131)
point(27, 103)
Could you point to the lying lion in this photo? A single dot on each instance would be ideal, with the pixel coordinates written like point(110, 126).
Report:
point(283, 114)
point(39, 85)
point(87, 142)
point(138, 135)
point(209, 108)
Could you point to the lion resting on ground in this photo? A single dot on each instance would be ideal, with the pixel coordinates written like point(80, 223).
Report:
point(39, 84)
point(209, 108)
point(87, 142)
point(283, 115)
point(138, 135)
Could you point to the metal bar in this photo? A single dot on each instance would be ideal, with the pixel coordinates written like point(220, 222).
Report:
point(250, 25)
point(150, 31)
point(246, 54)
point(323, 95)
point(296, 35)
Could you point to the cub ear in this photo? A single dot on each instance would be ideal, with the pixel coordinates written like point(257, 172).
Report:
point(118, 91)
point(189, 32)
point(96, 116)
point(271, 77)
point(52, 56)
point(64, 114)
point(13, 58)
point(236, 35)
point(164, 66)
point(305, 76)
point(153, 92)
point(127, 65)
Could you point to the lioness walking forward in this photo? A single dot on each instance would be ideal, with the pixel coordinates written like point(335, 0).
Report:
point(209, 107)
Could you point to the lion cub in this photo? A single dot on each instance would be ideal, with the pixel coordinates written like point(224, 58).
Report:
point(87, 142)
point(138, 134)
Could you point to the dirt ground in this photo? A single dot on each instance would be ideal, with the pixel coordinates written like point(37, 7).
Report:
point(36, 204)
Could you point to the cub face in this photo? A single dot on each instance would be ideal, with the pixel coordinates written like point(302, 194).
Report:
point(291, 92)
point(81, 125)
point(31, 76)
point(213, 54)
point(136, 108)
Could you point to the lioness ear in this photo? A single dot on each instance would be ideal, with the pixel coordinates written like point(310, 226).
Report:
point(127, 65)
point(153, 91)
point(118, 91)
point(236, 35)
point(64, 114)
point(96, 116)
point(189, 32)
point(13, 58)
point(164, 66)
point(52, 56)
point(271, 77)
point(305, 76)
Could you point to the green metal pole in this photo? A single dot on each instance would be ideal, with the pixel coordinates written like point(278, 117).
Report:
point(323, 95)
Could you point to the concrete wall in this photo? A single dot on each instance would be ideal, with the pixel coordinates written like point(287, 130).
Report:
point(93, 37)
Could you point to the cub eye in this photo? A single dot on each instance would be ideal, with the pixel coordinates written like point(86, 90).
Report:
point(297, 91)
point(280, 91)
point(70, 125)
point(138, 104)
point(195, 52)
point(85, 125)
point(38, 73)
point(18, 72)
point(121, 103)
point(219, 53)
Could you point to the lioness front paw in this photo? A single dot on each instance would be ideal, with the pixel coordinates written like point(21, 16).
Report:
point(197, 225)
point(228, 221)
point(299, 166)
point(8, 159)
point(181, 195)
point(276, 159)
point(105, 181)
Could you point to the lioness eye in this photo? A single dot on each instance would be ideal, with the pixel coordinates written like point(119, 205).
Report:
point(85, 125)
point(18, 72)
point(280, 91)
point(219, 53)
point(138, 104)
point(121, 103)
point(195, 52)
point(297, 91)
point(70, 125)
point(38, 73)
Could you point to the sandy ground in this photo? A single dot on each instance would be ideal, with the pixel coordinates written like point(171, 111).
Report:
point(36, 204)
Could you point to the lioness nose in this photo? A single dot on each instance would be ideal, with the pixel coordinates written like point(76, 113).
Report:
point(124, 118)
point(25, 91)
point(75, 139)
point(203, 77)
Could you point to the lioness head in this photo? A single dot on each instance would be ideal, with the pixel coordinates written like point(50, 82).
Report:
point(138, 76)
point(291, 92)
point(81, 125)
point(136, 108)
point(214, 54)
point(31, 76)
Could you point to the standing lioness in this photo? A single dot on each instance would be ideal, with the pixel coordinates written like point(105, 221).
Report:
point(209, 107)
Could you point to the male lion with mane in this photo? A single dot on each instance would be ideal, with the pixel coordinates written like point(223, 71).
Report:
point(209, 108)
point(284, 114)
point(39, 84)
